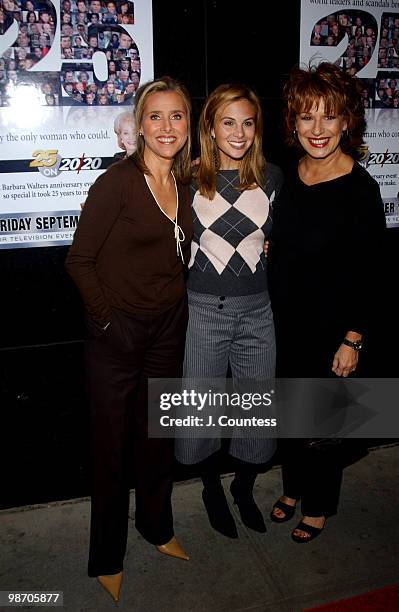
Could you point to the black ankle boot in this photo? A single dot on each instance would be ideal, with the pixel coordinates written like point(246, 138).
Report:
point(218, 511)
point(250, 514)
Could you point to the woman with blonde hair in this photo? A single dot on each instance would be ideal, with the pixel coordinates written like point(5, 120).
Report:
point(126, 133)
point(230, 318)
point(127, 261)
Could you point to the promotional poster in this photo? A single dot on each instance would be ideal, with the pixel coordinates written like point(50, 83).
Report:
point(67, 70)
point(361, 36)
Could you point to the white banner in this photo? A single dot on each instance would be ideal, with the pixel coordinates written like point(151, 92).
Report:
point(362, 36)
point(67, 69)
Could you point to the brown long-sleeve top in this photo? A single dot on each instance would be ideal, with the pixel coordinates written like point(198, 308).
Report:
point(124, 254)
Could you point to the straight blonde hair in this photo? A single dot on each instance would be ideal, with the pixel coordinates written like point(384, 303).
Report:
point(181, 167)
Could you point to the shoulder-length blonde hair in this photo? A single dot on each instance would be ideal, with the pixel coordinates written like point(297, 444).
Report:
point(253, 163)
point(181, 167)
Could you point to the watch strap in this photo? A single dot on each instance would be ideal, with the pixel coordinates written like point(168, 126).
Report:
point(354, 344)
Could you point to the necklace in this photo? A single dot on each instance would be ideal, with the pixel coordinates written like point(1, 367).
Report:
point(178, 232)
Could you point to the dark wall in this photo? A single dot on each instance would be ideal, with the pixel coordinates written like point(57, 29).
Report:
point(44, 433)
point(206, 43)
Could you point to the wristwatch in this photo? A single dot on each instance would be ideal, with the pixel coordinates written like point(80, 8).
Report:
point(355, 344)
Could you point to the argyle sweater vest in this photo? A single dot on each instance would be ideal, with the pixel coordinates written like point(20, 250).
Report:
point(227, 255)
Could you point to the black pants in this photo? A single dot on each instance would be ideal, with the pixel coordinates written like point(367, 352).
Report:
point(311, 475)
point(119, 362)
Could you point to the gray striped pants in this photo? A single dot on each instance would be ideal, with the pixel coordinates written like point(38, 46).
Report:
point(239, 331)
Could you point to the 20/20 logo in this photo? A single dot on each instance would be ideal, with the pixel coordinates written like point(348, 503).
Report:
point(50, 163)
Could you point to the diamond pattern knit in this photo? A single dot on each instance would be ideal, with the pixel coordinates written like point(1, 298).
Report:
point(227, 249)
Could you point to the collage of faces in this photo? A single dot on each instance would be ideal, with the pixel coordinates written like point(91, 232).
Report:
point(388, 52)
point(35, 36)
point(387, 90)
point(362, 34)
point(361, 31)
point(79, 84)
point(87, 27)
point(90, 26)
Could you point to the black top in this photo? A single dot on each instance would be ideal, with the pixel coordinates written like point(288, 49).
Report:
point(324, 257)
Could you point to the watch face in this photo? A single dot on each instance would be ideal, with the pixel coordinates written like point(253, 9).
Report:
point(355, 344)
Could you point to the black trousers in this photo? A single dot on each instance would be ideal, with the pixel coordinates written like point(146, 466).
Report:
point(119, 362)
point(312, 475)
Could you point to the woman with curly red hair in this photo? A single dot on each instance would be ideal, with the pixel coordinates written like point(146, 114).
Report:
point(322, 274)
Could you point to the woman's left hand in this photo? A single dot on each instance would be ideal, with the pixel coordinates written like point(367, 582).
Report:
point(345, 361)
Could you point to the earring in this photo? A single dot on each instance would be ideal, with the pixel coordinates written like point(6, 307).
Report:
point(140, 133)
point(294, 133)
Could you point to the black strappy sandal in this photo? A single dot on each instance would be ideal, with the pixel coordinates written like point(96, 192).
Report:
point(311, 531)
point(288, 510)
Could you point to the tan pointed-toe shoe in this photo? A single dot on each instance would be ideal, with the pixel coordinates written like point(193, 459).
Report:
point(173, 549)
point(112, 584)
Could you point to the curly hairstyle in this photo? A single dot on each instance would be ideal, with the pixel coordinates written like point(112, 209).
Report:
point(182, 162)
point(340, 92)
point(253, 163)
